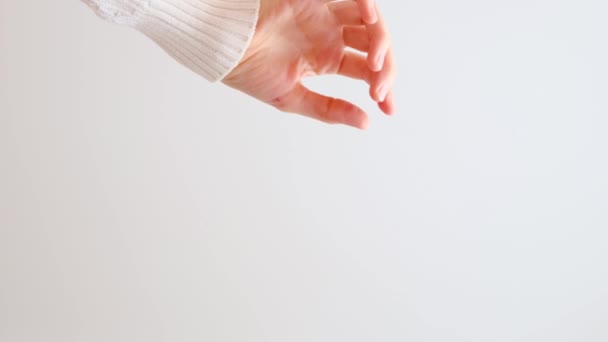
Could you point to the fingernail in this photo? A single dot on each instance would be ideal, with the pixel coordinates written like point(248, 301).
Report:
point(379, 62)
point(382, 93)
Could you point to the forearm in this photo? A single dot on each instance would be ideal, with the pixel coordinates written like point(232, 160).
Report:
point(208, 36)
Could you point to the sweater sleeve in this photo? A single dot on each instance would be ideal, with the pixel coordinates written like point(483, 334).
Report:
point(207, 36)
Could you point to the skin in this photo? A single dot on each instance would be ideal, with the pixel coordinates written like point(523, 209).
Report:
point(301, 38)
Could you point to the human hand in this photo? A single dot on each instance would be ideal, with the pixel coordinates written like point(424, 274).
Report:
point(299, 38)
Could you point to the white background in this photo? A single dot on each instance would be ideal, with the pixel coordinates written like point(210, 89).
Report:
point(140, 203)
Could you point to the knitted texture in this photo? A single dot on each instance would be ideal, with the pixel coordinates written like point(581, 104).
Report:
point(208, 36)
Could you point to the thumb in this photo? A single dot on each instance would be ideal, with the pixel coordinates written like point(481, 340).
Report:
point(301, 100)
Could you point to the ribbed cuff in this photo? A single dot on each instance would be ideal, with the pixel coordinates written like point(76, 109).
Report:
point(208, 36)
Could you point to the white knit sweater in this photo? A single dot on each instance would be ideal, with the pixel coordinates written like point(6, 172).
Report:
point(208, 36)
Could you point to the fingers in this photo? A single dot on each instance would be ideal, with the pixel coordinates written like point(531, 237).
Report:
point(354, 66)
point(381, 60)
point(380, 43)
point(373, 39)
point(346, 12)
point(368, 11)
point(356, 37)
point(302, 101)
point(351, 13)
point(382, 81)
point(388, 106)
